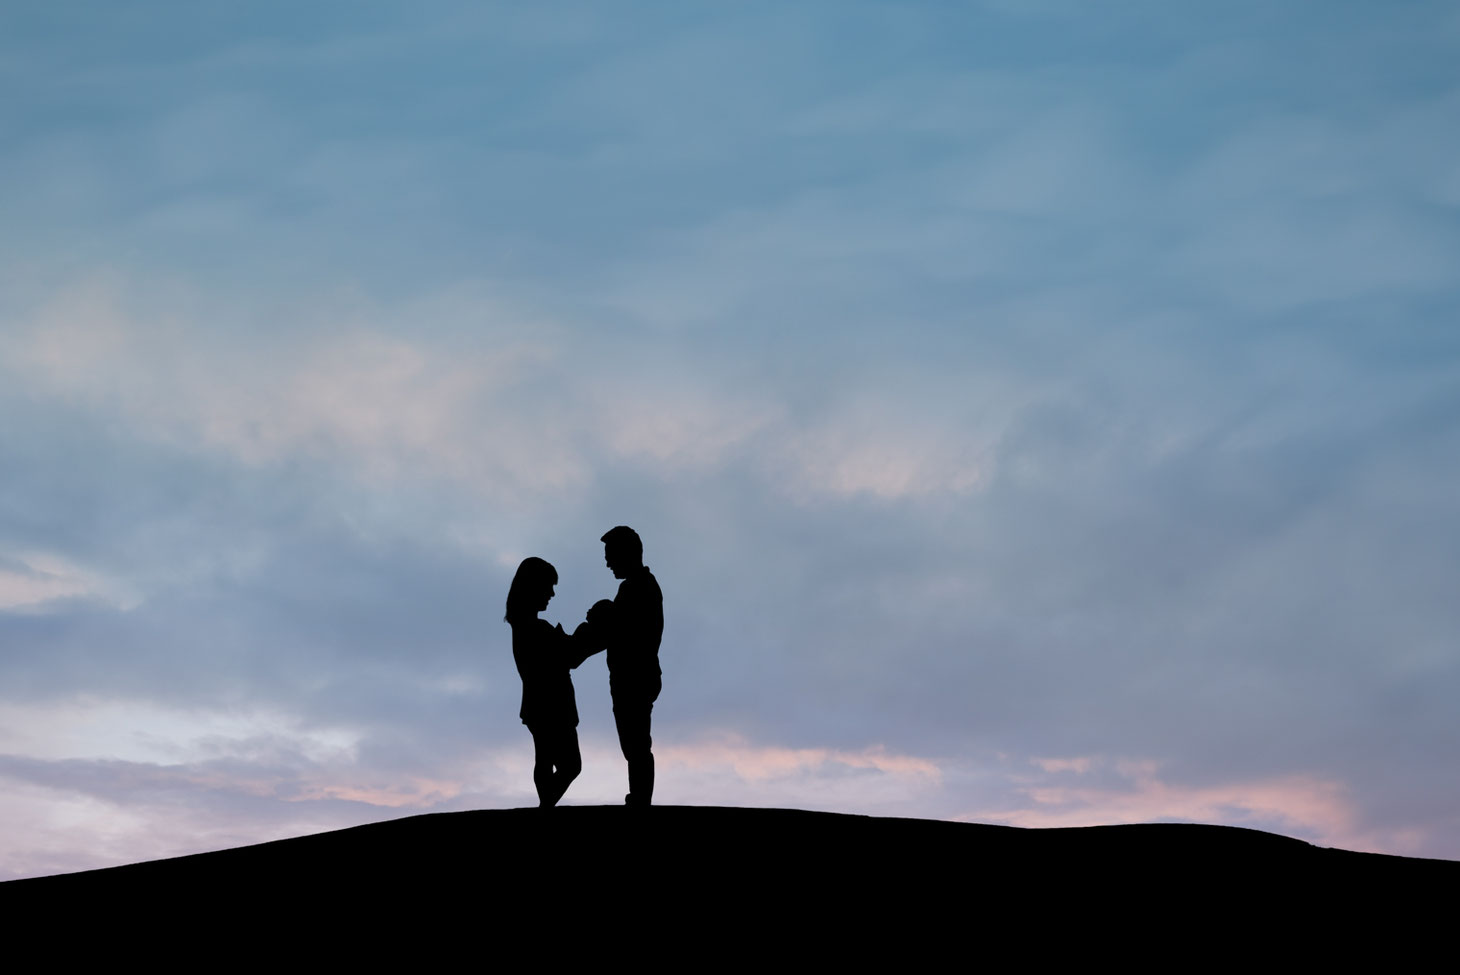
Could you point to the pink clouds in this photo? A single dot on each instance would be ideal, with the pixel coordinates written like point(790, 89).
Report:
point(761, 763)
point(35, 579)
point(351, 390)
point(1080, 792)
point(511, 407)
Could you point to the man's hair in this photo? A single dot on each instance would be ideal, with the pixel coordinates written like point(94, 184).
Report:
point(625, 538)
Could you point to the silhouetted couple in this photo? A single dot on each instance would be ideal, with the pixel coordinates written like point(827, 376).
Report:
point(629, 627)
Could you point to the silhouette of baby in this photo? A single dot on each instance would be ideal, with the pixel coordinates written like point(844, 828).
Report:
point(601, 612)
point(591, 636)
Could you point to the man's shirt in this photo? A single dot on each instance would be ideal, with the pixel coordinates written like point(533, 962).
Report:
point(638, 624)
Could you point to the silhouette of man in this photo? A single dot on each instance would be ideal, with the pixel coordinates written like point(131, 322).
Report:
point(632, 636)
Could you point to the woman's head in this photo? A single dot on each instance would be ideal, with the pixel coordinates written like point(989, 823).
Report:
point(532, 587)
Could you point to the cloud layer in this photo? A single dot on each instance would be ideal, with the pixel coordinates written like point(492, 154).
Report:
point(1033, 414)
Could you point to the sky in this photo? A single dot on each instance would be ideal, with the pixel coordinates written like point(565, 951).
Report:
point(1042, 413)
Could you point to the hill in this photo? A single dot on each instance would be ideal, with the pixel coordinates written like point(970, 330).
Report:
point(816, 885)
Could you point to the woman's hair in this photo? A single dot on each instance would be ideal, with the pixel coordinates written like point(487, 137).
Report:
point(533, 575)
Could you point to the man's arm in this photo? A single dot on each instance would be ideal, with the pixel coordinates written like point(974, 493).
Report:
point(592, 635)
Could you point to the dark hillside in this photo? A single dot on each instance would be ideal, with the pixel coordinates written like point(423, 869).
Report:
point(814, 885)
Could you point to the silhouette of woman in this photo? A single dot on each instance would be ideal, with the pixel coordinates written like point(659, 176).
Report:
point(544, 655)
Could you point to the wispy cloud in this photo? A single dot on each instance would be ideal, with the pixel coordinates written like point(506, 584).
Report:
point(350, 392)
point(513, 410)
point(1091, 791)
point(38, 580)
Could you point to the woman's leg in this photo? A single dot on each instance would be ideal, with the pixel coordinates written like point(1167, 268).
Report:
point(542, 766)
point(569, 761)
point(556, 764)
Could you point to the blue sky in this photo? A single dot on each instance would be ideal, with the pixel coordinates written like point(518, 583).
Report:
point(1042, 413)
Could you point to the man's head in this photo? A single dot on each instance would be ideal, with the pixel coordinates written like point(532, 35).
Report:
point(622, 550)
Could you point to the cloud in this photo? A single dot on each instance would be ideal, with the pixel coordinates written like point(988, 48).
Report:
point(1067, 384)
point(513, 411)
point(754, 764)
point(857, 454)
point(38, 581)
point(665, 421)
point(356, 394)
point(1296, 804)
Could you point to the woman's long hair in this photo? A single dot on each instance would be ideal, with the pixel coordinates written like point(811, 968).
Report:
point(533, 576)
